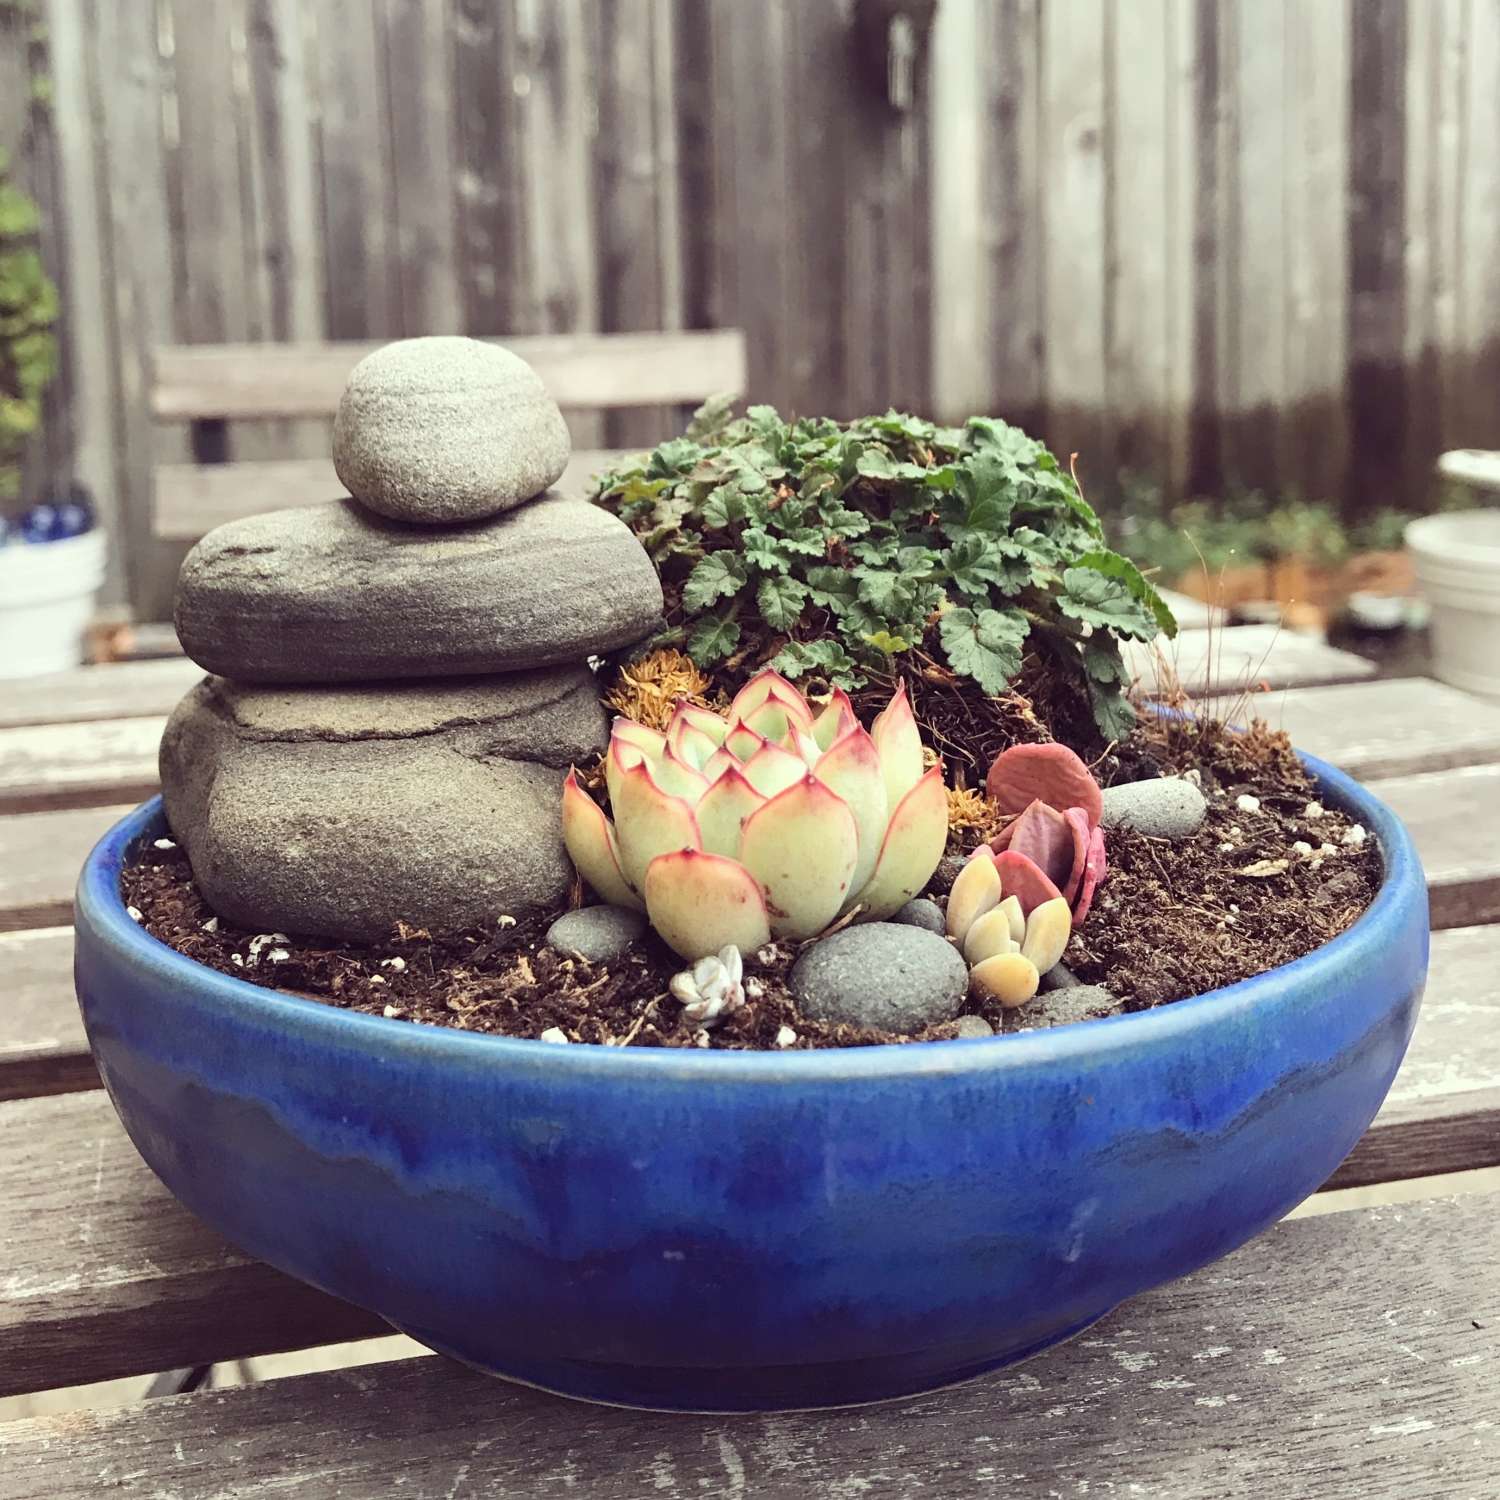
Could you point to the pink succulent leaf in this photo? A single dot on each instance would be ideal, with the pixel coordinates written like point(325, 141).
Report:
point(1078, 821)
point(699, 902)
point(1045, 837)
point(1047, 773)
point(1022, 878)
point(590, 840)
point(1095, 867)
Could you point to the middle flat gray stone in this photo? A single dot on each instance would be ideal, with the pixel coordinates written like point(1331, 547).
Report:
point(332, 593)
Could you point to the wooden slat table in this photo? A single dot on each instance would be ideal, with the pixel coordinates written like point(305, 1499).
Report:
point(1352, 1352)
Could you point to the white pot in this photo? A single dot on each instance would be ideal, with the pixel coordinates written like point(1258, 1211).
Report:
point(46, 602)
point(1457, 560)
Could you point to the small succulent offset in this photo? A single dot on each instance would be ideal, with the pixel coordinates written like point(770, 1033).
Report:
point(772, 821)
point(713, 988)
point(1057, 806)
point(1015, 904)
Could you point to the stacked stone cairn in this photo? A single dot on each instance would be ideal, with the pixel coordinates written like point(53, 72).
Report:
point(399, 680)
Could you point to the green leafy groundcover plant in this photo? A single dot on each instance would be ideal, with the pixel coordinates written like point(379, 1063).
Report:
point(832, 548)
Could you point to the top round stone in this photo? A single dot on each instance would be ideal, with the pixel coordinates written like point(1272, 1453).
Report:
point(441, 430)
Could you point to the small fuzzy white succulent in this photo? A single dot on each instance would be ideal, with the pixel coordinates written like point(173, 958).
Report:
point(713, 988)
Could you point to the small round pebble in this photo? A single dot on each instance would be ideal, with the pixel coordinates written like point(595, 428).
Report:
point(1060, 977)
point(970, 1027)
point(597, 933)
point(921, 913)
point(1167, 808)
point(444, 429)
point(884, 975)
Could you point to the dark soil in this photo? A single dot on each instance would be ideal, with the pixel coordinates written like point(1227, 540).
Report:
point(1172, 919)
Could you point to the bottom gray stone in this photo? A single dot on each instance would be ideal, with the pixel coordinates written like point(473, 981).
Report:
point(339, 813)
point(882, 975)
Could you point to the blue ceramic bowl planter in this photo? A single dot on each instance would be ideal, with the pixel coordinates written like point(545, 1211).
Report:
point(748, 1231)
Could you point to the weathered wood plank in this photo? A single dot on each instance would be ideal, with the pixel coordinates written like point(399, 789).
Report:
point(88, 369)
point(75, 765)
point(1313, 442)
point(40, 856)
point(1443, 1111)
point(42, 1045)
point(194, 498)
point(306, 380)
point(1218, 663)
point(1345, 1354)
point(117, 691)
point(1074, 175)
point(1451, 818)
point(129, 73)
point(1390, 728)
point(354, 158)
point(121, 1280)
point(414, 43)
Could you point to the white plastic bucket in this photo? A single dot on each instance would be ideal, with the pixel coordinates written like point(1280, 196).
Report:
point(1457, 560)
point(46, 602)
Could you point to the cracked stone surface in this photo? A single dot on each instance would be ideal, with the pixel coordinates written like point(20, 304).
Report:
point(339, 811)
point(333, 593)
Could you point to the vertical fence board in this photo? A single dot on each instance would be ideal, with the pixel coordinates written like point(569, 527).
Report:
point(85, 321)
point(1477, 405)
point(128, 69)
point(1312, 437)
point(635, 160)
point(1140, 259)
point(962, 225)
point(414, 43)
point(1181, 232)
point(1073, 155)
point(1377, 289)
point(1258, 288)
point(360, 291)
point(489, 178)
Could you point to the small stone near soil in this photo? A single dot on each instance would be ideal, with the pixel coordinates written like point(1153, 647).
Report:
point(1060, 977)
point(885, 975)
point(597, 933)
point(1166, 808)
point(970, 1027)
point(1079, 1002)
point(921, 913)
point(440, 430)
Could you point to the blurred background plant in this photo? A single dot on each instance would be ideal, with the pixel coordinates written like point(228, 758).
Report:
point(28, 310)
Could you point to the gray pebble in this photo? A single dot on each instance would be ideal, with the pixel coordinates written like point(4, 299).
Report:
point(1168, 808)
point(974, 1026)
point(445, 429)
point(884, 975)
point(922, 913)
point(1060, 977)
point(597, 933)
point(1080, 1002)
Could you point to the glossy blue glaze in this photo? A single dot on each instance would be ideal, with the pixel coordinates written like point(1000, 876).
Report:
point(748, 1231)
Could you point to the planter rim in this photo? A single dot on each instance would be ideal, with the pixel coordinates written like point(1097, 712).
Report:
point(101, 908)
point(1449, 539)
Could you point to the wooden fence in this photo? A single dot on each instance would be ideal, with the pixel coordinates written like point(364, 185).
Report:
point(1207, 242)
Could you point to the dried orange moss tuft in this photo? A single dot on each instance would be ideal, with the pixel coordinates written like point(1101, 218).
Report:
point(647, 690)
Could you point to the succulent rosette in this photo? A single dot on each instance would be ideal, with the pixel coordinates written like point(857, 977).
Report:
point(770, 821)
